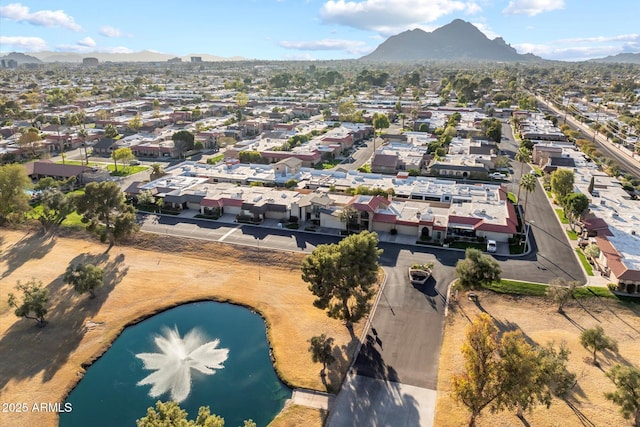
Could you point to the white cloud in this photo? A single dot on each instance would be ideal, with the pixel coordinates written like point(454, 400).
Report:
point(602, 39)
point(354, 47)
point(532, 7)
point(579, 49)
point(46, 18)
point(108, 31)
point(486, 30)
point(87, 41)
point(391, 16)
point(116, 49)
point(28, 44)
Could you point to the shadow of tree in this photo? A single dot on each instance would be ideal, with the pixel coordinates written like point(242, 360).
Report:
point(374, 402)
point(31, 246)
point(573, 322)
point(336, 372)
point(28, 350)
point(584, 420)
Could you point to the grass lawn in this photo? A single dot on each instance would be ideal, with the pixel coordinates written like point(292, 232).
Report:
point(592, 291)
point(125, 170)
point(563, 219)
point(328, 164)
point(518, 288)
point(572, 235)
point(465, 245)
point(549, 194)
point(512, 197)
point(585, 263)
point(215, 159)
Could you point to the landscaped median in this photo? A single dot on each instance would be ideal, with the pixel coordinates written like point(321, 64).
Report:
point(517, 287)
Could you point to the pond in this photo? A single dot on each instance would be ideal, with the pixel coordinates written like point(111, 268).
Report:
point(174, 355)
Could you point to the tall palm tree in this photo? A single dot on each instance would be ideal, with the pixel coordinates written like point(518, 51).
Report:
point(523, 155)
point(82, 133)
point(528, 182)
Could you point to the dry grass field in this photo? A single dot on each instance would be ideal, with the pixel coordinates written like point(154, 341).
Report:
point(149, 275)
point(540, 322)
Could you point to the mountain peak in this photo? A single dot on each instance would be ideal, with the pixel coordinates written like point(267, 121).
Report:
point(456, 41)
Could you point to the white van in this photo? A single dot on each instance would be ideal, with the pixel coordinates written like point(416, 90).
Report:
point(492, 246)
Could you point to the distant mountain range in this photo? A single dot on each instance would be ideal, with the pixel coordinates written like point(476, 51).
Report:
point(456, 41)
point(143, 56)
point(624, 58)
point(21, 58)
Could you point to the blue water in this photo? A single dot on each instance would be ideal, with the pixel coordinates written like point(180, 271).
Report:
point(246, 388)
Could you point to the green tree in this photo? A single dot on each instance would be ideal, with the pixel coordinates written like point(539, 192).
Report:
point(196, 114)
point(82, 134)
point(350, 217)
point(84, 278)
point(477, 269)
point(122, 155)
point(55, 207)
point(627, 394)
point(170, 414)
point(30, 139)
point(135, 123)
point(14, 200)
point(380, 121)
point(592, 251)
point(560, 291)
point(479, 384)
point(105, 212)
point(528, 183)
point(183, 141)
point(502, 162)
point(34, 301)
point(508, 372)
point(110, 131)
point(523, 155)
point(575, 205)
point(342, 275)
point(321, 349)
point(157, 171)
point(493, 129)
point(562, 183)
point(595, 340)
point(346, 111)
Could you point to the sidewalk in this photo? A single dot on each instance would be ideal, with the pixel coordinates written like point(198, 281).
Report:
point(312, 398)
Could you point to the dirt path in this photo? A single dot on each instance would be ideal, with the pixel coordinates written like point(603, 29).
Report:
point(540, 322)
point(43, 365)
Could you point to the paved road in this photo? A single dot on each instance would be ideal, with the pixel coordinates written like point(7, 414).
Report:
point(627, 164)
point(554, 254)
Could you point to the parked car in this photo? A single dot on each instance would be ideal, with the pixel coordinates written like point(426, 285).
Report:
point(492, 246)
point(498, 175)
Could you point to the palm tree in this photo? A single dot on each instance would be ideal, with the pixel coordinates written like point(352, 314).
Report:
point(156, 171)
point(523, 155)
point(82, 133)
point(528, 182)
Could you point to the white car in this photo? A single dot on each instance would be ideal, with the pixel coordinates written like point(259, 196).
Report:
point(498, 175)
point(492, 246)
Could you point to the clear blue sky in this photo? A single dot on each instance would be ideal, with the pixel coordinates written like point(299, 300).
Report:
point(312, 29)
